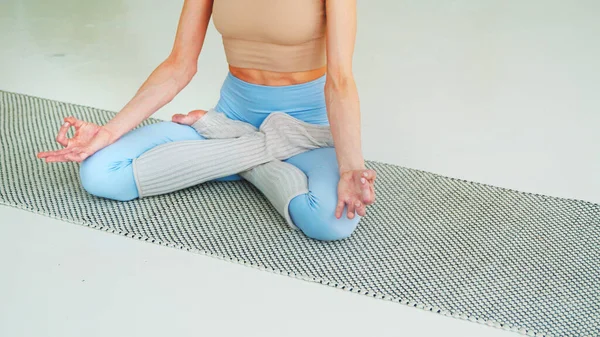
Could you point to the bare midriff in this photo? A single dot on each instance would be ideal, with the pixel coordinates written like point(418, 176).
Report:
point(272, 78)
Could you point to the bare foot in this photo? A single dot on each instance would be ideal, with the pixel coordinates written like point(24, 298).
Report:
point(190, 118)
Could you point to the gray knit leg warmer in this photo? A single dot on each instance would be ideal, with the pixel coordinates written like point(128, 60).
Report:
point(279, 182)
point(235, 147)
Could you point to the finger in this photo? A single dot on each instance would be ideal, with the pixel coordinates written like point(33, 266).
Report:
point(370, 174)
point(83, 155)
point(44, 154)
point(61, 138)
point(78, 154)
point(360, 209)
point(365, 190)
point(339, 209)
point(372, 195)
point(73, 157)
point(351, 206)
point(74, 121)
point(56, 159)
point(53, 153)
point(367, 194)
point(63, 155)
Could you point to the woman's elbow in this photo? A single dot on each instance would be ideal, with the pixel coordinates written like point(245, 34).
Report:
point(182, 70)
point(189, 70)
point(339, 80)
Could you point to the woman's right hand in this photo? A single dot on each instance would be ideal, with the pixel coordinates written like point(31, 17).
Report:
point(88, 139)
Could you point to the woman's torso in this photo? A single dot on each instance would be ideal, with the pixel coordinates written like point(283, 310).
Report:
point(273, 42)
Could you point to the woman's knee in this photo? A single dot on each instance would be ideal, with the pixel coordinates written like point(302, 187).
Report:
point(314, 214)
point(108, 173)
point(107, 176)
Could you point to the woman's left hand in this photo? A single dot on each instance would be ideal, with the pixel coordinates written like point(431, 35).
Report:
point(355, 190)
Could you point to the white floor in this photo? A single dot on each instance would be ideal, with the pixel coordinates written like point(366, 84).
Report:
point(499, 92)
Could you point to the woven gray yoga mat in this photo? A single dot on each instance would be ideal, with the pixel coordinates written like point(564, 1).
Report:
point(519, 261)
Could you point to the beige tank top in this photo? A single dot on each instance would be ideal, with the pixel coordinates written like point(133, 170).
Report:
point(275, 35)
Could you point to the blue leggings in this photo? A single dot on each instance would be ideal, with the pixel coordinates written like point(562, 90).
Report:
point(109, 173)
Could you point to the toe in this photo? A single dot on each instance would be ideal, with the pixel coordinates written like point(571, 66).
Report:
point(178, 118)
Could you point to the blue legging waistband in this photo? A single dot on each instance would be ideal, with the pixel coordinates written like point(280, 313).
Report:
point(252, 103)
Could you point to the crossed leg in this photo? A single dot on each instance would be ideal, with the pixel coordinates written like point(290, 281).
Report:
point(302, 188)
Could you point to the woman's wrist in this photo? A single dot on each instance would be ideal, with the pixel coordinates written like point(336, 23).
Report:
point(112, 134)
point(354, 164)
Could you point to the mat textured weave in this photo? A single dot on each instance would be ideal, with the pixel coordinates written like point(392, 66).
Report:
point(519, 261)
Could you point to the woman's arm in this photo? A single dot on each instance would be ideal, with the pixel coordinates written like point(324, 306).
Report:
point(341, 94)
point(172, 75)
point(166, 81)
point(355, 188)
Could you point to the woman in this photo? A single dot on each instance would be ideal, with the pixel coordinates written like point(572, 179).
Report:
point(288, 56)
